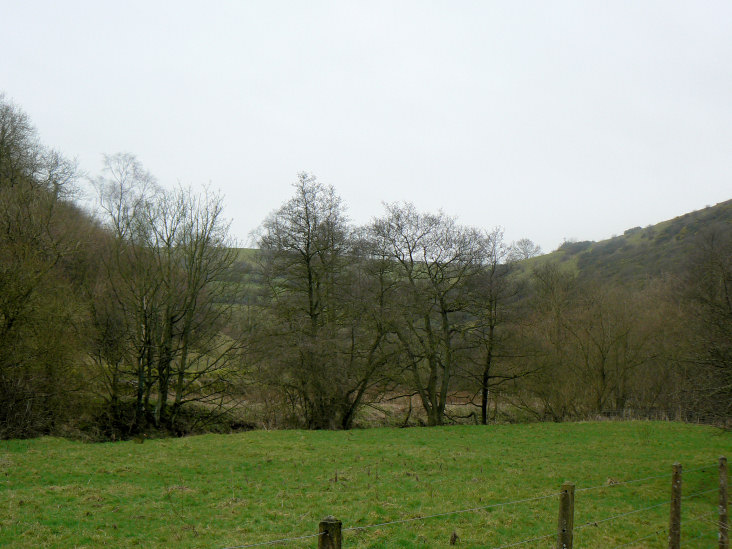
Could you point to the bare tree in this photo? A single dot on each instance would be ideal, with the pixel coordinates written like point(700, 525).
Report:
point(435, 262)
point(597, 344)
point(126, 193)
point(554, 386)
point(321, 333)
point(170, 255)
point(708, 324)
point(491, 362)
point(524, 249)
point(21, 154)
point(304, 245)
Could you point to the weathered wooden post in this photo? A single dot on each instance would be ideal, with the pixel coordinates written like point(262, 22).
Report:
point(330, 533)
point(566, 516)
point(674, 527)
point(723, 519)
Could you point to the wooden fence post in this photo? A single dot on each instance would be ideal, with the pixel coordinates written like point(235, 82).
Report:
point(674, 527)
point(566, 516)
point(330, 533)
point(723, 522)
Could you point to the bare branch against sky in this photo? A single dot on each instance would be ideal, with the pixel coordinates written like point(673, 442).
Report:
point(554, 119)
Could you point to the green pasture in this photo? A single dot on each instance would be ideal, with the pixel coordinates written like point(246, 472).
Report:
point(233, 490)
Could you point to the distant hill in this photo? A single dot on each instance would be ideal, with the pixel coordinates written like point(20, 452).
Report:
point(640, 251)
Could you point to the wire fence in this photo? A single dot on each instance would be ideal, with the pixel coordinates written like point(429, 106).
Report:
point(709, 522)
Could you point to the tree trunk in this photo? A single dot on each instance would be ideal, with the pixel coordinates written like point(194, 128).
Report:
point(486, 377)
point(139, 405)
point(166, 358)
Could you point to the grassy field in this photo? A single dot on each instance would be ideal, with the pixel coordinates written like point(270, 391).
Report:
point(233, 490)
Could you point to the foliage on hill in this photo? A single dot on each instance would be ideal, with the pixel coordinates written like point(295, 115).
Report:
point(639, 253)
point(655, 303)
point(41, 303)
point(118, 322)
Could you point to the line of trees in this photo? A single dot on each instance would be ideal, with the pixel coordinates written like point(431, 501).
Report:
point(410, 302)
point(38, 308)
point(144, 315)
point(158, 302)
point(119, 320)
point(416, 304)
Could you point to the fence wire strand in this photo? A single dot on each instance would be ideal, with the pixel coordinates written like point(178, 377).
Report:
point(600, 486)
point(689, 496)
point(703, 469)
point(713, 521)
point(695, 494)
point(620, 515)
point(659, 531)
point(635, 511)
point(699, 536)
point(356, 528)
point(523, 542)
point(516, 502)
point(612, 485)
point(590, 523)
point(275, 542)
point(492, 506)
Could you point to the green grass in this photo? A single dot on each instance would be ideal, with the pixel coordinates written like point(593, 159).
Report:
point(228, 490)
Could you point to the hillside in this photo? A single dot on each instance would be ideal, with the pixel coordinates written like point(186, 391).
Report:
point(641, 252)
point(638, 253)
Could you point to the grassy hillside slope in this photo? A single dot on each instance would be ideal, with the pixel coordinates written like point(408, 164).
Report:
point(232, 490)
point(642, 252)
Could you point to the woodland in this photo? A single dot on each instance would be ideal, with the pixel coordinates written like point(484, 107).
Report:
point(141, 316)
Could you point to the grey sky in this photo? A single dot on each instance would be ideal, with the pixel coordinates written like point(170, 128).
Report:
point(553, 119)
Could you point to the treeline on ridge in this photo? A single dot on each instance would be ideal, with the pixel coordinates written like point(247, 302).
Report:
point(144, 317)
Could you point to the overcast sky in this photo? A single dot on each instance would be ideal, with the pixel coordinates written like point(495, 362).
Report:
point(552, 119)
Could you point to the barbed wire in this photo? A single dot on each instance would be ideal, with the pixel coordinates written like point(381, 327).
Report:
point(591, 523)
point(610, 485)
point(659, 531)
point(698, 536)
point(703, 469)
point(503, 504)
point(523, 542)
point(491, 506)
point(699, 493)
point(275, 542)
point(412, 519)
point(712, 521)
point(607, 519)
point(635, 511)
point(620, 515)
